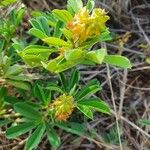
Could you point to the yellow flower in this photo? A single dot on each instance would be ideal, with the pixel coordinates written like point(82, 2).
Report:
point(85, 25)
point(63, 107)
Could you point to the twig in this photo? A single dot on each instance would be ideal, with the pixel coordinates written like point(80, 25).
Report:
point(19, 144)
point(140, 28)
point(99, 143)
point(134, 87)
point(135, 126)
point(126, 49)
point(141, 68)
point(122, 92)
point(114, 105)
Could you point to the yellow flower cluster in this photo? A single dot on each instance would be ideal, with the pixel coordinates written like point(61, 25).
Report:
point(63, 107)
point(85, 25)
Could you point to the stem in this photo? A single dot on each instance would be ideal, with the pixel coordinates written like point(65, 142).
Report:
point(114, 105)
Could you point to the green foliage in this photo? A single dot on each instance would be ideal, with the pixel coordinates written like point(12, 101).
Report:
point(96, 56)
point(69, 54)
point(90, 5)
point(53, 41)
point(53, 138)
point(3, 92)
point(41, 95)
point(96, 104)
point(117, 60)
point(74, 5)
point(12, 74)
point(72, 127)
point(33, 55)
point(27, 111)
point(111, 137)
point(62, 15)
point(144, 122)
point(40, 27)
point(20, 129)
point(41, 117)
point(85, 110)
point(35, 138)
point(8, 26)
point(6, 2)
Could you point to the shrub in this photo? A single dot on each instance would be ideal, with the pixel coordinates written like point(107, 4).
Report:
point(66, 38)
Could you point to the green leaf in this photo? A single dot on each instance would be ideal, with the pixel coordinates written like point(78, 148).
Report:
point(72, 127)
point(37, 33)
point(67, 33)
point(34, 105)
point(35, 138)
point(53, 138)
point(75, 77)
point(62, 15)
point(6, 61)
point(2, 44)
point(20, 15)
point(36, 24)
point(66, 64)
point(19, 77)
point(63, 80)
point(3, 92)
point(36, 13)
point(27, 111)
point(37, 49)
point(39, 93)
point(13, 70)
point(51, 66)
point(90, 5)
point(95, 103)
point(144, 122)
point(74, 54)
point(89, 89)
point(41, 23)
point(7, 2)
point(85, 110)
point(60, 64)
point(53, 41)
point(57, 31)
point(110, 135)
point(105, 36)
point(19, 84)
point(20, 129)
point(13, 16)
point(2, 104)
point(51, 19)
point(11, 100)
point(53, 87)
point(32, 60)
point(76, 5)
point(34, 54)
point(96, 56)
point(117, 60)
point(45, 25)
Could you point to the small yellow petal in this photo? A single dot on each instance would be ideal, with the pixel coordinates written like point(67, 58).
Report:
point(85, 26)
point(63, 107)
